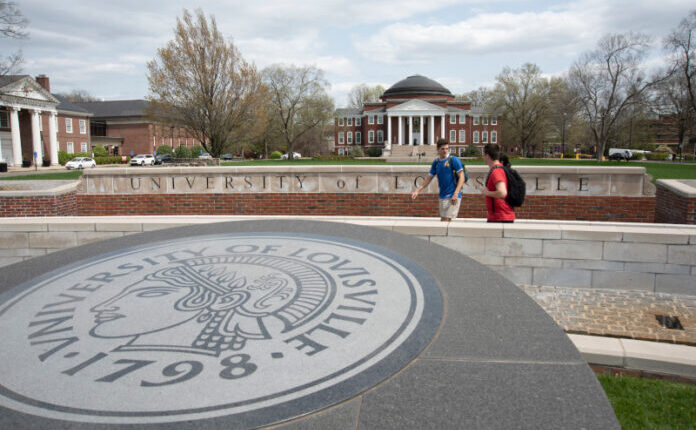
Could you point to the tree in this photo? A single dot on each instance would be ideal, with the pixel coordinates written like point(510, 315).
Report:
point(298, 102)
point(682, 43)
point(609, 81)
point(78, 96)
point(563, 110)
point(361, 94)
point(480, 97)
point(12, 24)
point(200, 82)
point(674, 107)
point(522, 96)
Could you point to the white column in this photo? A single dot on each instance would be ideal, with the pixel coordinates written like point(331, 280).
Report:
point(16, 142)
point(53, 137)
point(401, 131)
point(36, 135)
point(442, 127)
point(389, 135)
point(431, 120)
point(410, 130)
point(421, 130)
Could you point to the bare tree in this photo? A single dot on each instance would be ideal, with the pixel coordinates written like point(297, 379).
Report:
point(522, 96)
point(12, 25)
point(564, 108)
point(609, 81)
point(673, 106)
point(201, 82)
point(299, 102)
point(480, 97)
point(78, 96)
point(361, 94)
point(682, 43)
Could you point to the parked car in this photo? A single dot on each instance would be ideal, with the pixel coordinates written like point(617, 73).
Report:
point(205, 155)
point(294, 155)
point(143, 160)
point(619, 156)
point(227, 156)
point(80, 163)
point(164, 158)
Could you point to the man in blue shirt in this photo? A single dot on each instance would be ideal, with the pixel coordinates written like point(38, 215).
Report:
point(450, 185)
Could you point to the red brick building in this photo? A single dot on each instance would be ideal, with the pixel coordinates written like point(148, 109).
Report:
point(414, 111)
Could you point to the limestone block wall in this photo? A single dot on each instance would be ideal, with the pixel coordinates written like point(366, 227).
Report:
point(630, 256)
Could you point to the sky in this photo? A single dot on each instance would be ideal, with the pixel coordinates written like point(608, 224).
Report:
point(103, 46)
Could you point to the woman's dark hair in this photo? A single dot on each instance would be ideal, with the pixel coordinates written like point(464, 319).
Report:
point(492, 150)
point(504, 160)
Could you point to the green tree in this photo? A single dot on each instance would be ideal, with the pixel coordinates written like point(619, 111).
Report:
point(201, 82)
point(298, 102)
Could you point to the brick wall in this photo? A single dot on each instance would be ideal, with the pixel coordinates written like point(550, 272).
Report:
point(673, 208)
point(623, 209)
point(38, 206)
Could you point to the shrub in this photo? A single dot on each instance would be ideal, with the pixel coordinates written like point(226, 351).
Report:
point(109, 159)
point(472, 151)
point(196, 150)
point(182, 152)
point(164, 149)
point(374, 152)
point(657, 156)
point(100, 151)
point(64, 157)
point(356, 151)
point(275, 155)
point(688, 157)
point(569, 154)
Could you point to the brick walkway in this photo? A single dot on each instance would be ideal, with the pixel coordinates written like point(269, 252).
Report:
point(615, 313)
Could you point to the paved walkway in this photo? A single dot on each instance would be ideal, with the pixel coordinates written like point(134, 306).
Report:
point(618, 313)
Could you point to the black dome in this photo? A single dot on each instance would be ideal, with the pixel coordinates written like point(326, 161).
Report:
point(417, 84)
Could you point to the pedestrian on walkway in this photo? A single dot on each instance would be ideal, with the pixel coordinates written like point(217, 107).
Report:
point(449, 182)
point(496, 188)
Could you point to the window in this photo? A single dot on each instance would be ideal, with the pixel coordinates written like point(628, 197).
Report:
point(453, 119)
point(476, 120)
point(453, 136)
point(476, 139)
point(71, 148)
point(380, 119)
point(68, 125)
point(462, 119)
point(462, 136)
point(4, 121)
point(83, 126)
point(370, 119)
point(340, 122)
point(484, 137)
point(349, 121)
point(358, 123)
point(340, 138)
point(83, 147)
point(494, 120)
point(349, 137)
point(371, 136)
point(485, 120)
point(340, 151)
point(358, 138)
point(494, 137)
point(380, 136)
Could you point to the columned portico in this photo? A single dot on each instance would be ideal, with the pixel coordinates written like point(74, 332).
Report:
point(406, 113)
point(36, 134)
point(53, 137)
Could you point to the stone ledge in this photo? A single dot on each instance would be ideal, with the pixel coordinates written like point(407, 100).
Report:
point(684, 188)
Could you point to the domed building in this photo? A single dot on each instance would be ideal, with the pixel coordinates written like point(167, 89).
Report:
point(414, 111)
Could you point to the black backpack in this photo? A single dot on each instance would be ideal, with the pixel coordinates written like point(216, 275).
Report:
point(516, 186)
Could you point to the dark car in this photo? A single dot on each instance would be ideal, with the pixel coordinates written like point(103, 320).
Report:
point(164, 158)
point(618, 156)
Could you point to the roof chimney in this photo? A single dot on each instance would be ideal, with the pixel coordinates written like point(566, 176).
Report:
point(43, 81)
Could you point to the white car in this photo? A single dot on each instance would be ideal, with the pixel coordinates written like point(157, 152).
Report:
point(205, 156)
point(143, 160)
point(294, 155)
point(80, 163)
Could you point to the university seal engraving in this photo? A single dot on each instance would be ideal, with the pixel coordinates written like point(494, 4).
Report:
point(207, 327)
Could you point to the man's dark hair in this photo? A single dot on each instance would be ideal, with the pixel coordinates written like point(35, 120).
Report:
point(492, 150)
point(441, 142)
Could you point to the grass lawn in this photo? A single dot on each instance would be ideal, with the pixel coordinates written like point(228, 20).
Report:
point(650, 403)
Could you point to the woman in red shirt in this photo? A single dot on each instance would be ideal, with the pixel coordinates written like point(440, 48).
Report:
point(496, 188)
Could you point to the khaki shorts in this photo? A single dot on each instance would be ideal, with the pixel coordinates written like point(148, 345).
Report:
point(449, 210)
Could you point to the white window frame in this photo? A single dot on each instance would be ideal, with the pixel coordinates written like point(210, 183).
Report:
point(349, 122)
point(494, 120)
point(453, 136)
point(70, 147)
point(476, 137)
point(340, 138)
point(83, 126)
point(340, 151)
point(462, 136)
point(476, 120)
point(453, 118)
point(370, 119)
point(358, 138)
point(494, 137)
point(380, 136)
point(484, 137)
point(349, 138)
point(83, 146)
point(380, 119)
point(340, 122)
point(371, 136)
point(68, 125)
point(462, 119)
point(358, 123)
point(484, 120)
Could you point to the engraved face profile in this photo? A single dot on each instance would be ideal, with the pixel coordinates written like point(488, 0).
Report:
point(217, 303)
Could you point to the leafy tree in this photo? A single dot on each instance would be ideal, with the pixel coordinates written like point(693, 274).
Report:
point(12, 24)
point(298, 102)
point(182, 152)
point(361, 94)
point(200, 82)
point(100, 151)
point(522, 96)
point(609, 81)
